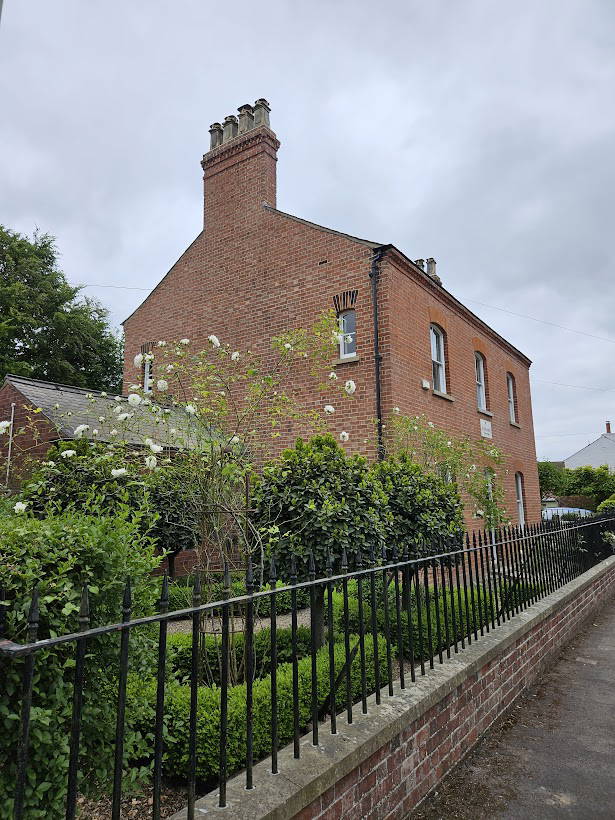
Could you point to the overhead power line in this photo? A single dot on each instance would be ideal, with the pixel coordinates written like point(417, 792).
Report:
point(566, 435)
point(543, 321)
point(576, 386)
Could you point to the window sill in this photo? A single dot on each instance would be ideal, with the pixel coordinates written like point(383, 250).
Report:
point(346, 360)
point(485, 412)
point(442, 395)
point(515, 424)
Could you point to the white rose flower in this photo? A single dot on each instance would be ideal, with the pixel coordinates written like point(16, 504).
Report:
point(173, 431)
point(101, 419)
point(124, 416)
point(235, 440)
point(56, 406)
point(449, 443)
point(135, 387)
point(396, 409)
point(149, 357)
point(68, 453)
point(118, 398)
point(333, 376)
point(94, 432)
point(113, 433)
point(162, 385)
point(430, 424)
point(328, 408)
point(235, 356)
point(288, 346)
point(119, 472)
point(134, 399)
point(4, 426)
point(150, 462)
point(117, 409)
point(350, 387)
point(186, 341)
point(20, 507)
point(148, 441)
point(344, 436)
point(48, 464)
point(155, 448)
point(138, 360)
point(214, 340)
point(80, 430)
point(162, 343)
point(190, 409)
point(104, 394)
point(170, 368)
point(89, 396)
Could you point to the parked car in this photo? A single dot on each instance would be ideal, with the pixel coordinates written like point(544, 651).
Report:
point(560, 512)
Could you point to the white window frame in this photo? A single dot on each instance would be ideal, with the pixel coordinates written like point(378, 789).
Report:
point(481, 384)
point(510, 391)
point(148, 374)
point(519, 498)
point(348, 350)
point(438, 358)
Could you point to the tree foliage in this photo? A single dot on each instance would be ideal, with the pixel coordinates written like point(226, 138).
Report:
point(552, 478)
point(47, 330)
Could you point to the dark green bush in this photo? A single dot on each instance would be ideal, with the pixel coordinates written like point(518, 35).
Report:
point(180, 653)
point(208, 718)
point(425, 511)
point(59, 554)
point(446, 606)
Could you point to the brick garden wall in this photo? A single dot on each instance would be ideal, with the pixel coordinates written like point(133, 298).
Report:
point(401, 773)
point(387, 761)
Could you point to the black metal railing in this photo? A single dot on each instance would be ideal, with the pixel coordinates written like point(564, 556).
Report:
point(388, 619)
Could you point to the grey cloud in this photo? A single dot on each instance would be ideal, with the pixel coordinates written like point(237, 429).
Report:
point(479, 133)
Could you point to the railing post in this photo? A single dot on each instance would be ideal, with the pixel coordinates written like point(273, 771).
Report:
point(26, 706)
point(75, 734)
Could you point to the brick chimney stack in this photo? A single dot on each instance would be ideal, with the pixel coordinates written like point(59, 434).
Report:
point(239, 170)
point(608, 426)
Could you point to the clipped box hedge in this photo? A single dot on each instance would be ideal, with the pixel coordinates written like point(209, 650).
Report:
point(177, 711)
point(179, 649)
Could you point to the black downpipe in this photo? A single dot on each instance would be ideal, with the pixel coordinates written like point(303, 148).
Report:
point(374, 274)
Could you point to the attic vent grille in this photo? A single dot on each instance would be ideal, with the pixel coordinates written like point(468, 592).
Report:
point(345, 301)
point(145, 348)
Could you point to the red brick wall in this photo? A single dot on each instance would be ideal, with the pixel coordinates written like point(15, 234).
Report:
point(401, 773)
point(33, 443)
point(255, 272)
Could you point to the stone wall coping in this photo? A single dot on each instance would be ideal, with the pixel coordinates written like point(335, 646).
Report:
point(300, 782)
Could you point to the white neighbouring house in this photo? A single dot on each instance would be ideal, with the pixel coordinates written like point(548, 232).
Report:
point(599, 452)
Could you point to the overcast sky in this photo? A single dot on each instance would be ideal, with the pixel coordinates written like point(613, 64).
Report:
point(480, 133)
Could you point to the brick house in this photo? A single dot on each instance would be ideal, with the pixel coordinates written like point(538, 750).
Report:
point(254, 271)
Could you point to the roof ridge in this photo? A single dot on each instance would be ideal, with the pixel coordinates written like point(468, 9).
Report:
point(11, 377)
point(322, 227)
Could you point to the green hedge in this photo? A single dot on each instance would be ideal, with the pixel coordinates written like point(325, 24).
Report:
point(177, 711)
point(179, 647)
point(457, 619)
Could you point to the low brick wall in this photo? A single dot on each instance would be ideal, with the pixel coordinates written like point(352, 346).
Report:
point(387, 761)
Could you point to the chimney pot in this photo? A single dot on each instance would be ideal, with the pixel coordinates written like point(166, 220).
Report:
point(230, 128)
point(215, 134)
point(608, 426)
point(246, 118)
point(261, 112)
point(431, 266)
point(420, 263)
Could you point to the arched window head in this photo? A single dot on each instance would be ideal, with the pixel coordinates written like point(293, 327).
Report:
point(480, 369)
point(511, 391)
point(348, 334)
point(438, 361)
point(519, 497)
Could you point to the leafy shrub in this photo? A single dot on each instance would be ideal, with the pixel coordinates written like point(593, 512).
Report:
point(85, 478)
point(608, 505)
point(425, 511)
point(180, 653)
point(208, 714)
point(478, 609)
point(59, 554)
point(317, 499)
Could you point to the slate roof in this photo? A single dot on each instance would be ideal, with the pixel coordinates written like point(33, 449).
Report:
point(56, 400)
